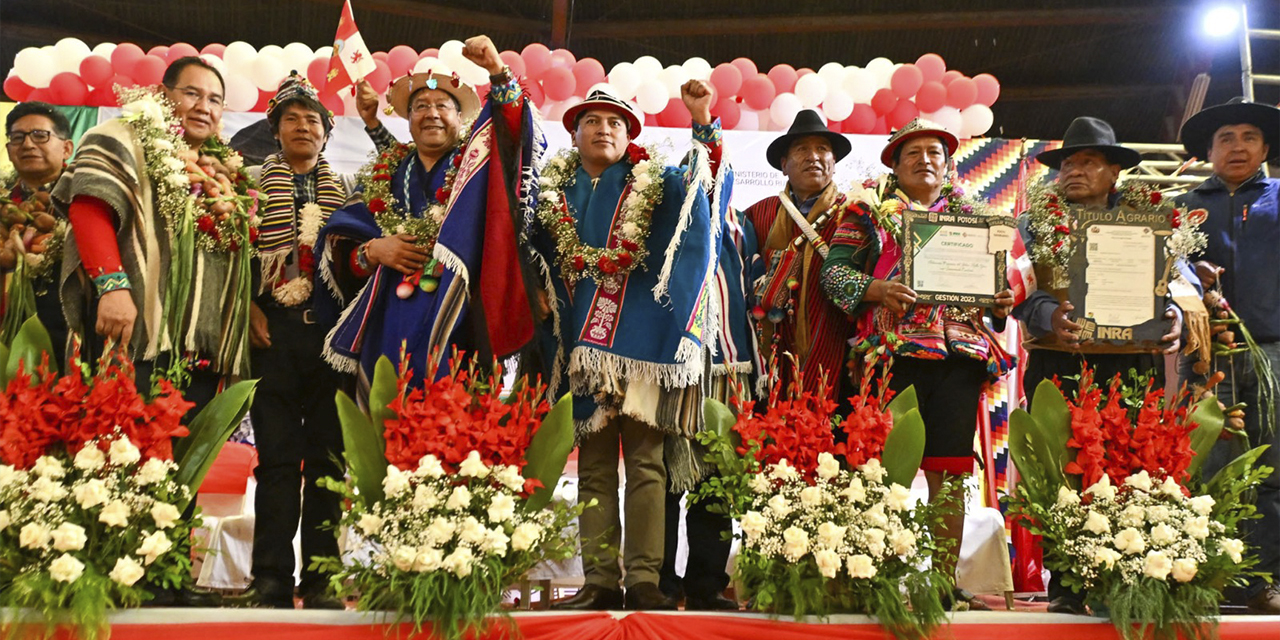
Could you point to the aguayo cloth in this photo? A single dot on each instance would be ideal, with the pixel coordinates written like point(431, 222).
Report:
point(643, 349)
point(110, 166)
point(479, 308)
point(278, 227)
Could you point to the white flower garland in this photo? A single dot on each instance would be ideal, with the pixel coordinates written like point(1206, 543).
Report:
point(296, 291)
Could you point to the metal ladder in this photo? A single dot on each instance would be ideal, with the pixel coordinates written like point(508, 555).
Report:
point(1247, 77)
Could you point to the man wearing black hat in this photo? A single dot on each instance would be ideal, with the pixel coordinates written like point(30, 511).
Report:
point(295, 420)
point(793, 230)
point(1088, 165)
point(1243, 227)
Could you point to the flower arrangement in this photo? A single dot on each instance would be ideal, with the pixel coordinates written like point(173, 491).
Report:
point(90, 494)
point(628, 239)
point(829, 527)
point(1110, 481)
point(31, 240)
point(388, 208)
point(886, 200)
point(297, 290)
point(451, 489)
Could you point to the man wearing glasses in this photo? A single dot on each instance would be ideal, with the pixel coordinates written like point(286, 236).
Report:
point(39, 144)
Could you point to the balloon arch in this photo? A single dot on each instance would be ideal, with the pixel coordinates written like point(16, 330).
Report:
point(873, 99)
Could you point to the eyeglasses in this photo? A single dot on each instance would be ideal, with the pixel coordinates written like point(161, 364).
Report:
point(195, 96)
point(38, 136)
point(423, 107)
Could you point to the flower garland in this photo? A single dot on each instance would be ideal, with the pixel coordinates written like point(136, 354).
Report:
point(607, 266)
point(888, 201)
point(297, 290)
point(224, 212)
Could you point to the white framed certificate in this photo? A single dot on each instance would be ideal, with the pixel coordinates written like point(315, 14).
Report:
point(955, 259)
point(1120, 274)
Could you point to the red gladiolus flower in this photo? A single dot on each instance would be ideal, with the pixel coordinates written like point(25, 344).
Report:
point(606, 265)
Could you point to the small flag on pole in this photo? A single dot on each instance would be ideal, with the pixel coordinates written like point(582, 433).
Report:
point(351, 59)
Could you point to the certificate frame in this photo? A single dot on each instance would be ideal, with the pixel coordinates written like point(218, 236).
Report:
point(920, 227)
point(1159, 227)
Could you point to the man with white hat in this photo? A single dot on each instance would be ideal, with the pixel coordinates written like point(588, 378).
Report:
point(630, 247)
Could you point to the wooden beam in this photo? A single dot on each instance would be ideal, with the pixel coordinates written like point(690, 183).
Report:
point(440, 13)
point(1060, 93)
point(720, 26)
point(559, 23)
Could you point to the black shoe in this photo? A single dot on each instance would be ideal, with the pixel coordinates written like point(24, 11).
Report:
point(961, 600)
point(716, 602)
point(182, 597)
point(265, 593)
point(1068, 604)
point(1266, 602)
point(646, 596)
point(322, 600)
point(591, 598)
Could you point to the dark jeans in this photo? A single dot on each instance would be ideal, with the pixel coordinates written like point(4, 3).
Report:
point(704, 574)
point(299, 439)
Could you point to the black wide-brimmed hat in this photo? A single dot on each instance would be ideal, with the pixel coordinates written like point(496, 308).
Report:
point(1198, 132)
point(1090, 133)
point(807, 123)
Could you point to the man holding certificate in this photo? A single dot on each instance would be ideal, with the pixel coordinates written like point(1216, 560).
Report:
point(942, 348)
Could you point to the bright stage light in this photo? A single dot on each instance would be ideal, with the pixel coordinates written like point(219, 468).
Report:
point(1221, 21)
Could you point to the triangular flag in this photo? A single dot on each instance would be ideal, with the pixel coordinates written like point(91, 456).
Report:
point(351, 60)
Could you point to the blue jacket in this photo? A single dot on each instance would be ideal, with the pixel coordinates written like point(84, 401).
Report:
point(1244, 237)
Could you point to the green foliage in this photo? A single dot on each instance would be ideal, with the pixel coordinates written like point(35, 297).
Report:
point(209, 431)
point(549, 451)
point(364, 448)
point(30, 345)
point(904, 447)
point(1210, 420)
point(382, 391)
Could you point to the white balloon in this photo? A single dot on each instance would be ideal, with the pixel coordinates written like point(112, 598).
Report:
point(652, 96)
point(608, 88)
point(784, 109)
point(297, 56)
point(555, 111)
point(430, 65)
point(72, 49)
point(811, 90)
point(325, 52)
point(860, 84)
point(625, 79)
point(105, 49)
point(451, 53)
point(648, 66)
point(764, 120)
point(239, 56)
point(748, 120)
point(838, 105)
point(697, 68)
point(948, 118)
point(273, 50)
point(267, 72)
point(217, 63)
point(882, 70)
point(348, 102)
point(673, 77)
point(832, 73)
point(977, 120)
point(34, 67)
point(241, 93)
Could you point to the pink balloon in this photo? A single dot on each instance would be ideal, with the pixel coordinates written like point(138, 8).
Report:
point(563, 58)
point(961, 93)
point(67, 88)
point(101, 97)
point(96, 70)
point(181, 50)
point(149, 70)
point(400, 60)
point(263, 98)
point(674, 115)
point(430, 53)
point(933, 67)
point(902, 113)
point(931, 97)
point(587, 73)
point(758, 92)
point(332, 102)
point(16, 89)
point(513, 62)
point(318, 72)
point(800, 73)
point(881, 128)
point(783, 77)
point(558, 83)
point(988, 89)
point(40, 95)
point(950, 76)
point(214, 48)
point(124, 56)
point(537, 59)
point(746, 66)
point(380, 56)
point(729, 112)
point(861, 120)
point(906, 81)
point(650, 119)
point(536, 94)
point(380, 78)
point(160, 50)
point(726, 78)
point(884, 101)
point(122, 80)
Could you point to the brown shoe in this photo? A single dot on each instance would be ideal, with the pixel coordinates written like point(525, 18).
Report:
point(646, 596)
point(1267, 602)
point(591, 598)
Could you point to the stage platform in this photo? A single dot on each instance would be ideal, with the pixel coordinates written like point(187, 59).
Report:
point(241, 624)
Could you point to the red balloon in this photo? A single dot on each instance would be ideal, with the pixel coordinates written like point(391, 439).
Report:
point(40, 95)
point(430, 53)
point(180, 50)
point(213, 48)
point(380, 78)
point(650, 120)
point(122, 80)
point(933, 67)
point(729, 112)
point(149, 70)
point(318, 72)
point(746, 67)
point(905, 111)
point(906, 81)
point(263, 98)
point(332, 102)
point(536, 95)
point(101, 97)
point(800, 73)
point(95, 70)
point(160, 50)
point(861, 120)
point(380, 56)
point(537, 59)
point(563, 58)
point(16, 89)
point(513, 62)
point(67, 88)
point(587, 73)
point(726, 78)
point(881, 128)
point(931, 97)
point(988, 88)
point(124, 56)
point(783, 77)
point(962, 92)
point(884, 101)
point(675, 115)
point(400, 60)
point(950, 76)
point(758, 92)
point(558, 83)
